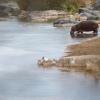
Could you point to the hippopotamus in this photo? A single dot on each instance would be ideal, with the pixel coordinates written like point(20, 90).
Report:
point(84, 26)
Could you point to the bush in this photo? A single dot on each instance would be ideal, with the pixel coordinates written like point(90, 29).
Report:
point(40, 4)
point(72, 6)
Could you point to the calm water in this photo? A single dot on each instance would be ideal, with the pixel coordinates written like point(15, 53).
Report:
point(21, 45)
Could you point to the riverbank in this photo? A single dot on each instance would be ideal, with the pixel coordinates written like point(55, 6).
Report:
point(86, 54)
point(84, 57)
point(88, 47)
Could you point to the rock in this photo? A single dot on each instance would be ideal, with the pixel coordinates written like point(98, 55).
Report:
point(43, 16)
point(87, 16)
point(96, 13)
point(86, 10)
point(45, 62)
point(9, 9)
point(84, 62)
point(24, 16)
point(3, 13)
point(64, 22)
point(90, 13)
point(97, 4)
point(60, 63)
point(74, 19)
point(13, 8)
point(90, 66)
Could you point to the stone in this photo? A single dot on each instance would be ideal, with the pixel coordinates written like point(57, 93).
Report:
point(87, 16)
point(24, 16)
point(45, 62)
point(97, 4)
point(43, 16)
point(94, 67)
point(64, 22)
point(9, 9)
point(83, 63)
point(91, 14)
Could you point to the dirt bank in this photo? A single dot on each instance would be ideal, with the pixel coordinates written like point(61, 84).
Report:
point(88, 47)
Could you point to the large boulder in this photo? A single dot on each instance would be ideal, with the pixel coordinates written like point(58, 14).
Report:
point(97, 5)
point(90, 13)
point(3, 12)
point(24, 16)
point(89, 16)
point(9, 9)
point(64, 22)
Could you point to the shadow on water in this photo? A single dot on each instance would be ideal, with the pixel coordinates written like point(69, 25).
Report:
point(21, 45)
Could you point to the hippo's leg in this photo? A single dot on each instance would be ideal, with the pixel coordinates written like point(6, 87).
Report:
point(77, 33)
point(95, 32)
point(72, 33)
point(80, 32)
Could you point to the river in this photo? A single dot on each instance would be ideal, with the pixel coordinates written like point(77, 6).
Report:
point(21, 45)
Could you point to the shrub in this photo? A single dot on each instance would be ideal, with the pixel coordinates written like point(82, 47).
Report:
point(72, 6)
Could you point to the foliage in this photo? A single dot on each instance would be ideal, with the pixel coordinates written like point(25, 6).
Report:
point(40, 4)
point(67, 5)
point(72, 5)
point(23, 4)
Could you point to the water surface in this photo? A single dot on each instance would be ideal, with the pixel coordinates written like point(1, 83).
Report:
point(21, 45)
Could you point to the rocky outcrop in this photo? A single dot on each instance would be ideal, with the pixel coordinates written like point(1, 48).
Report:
point(24, 16)
point(70, 20)
point(81, 57)
point(45, 62)
point(9, 9)
point(43, 16)
point(84, 63)
point(89, 16)
point(97, 5)
point(90, 13)
point(63, 22)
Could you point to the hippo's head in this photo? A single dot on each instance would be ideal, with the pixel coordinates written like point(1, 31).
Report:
point(73, 29)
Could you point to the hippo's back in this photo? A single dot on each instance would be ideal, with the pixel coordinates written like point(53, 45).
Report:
point(87, 26)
